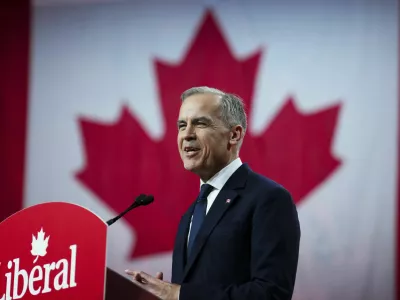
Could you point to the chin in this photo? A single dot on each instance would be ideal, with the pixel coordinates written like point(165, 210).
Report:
point(190, 165)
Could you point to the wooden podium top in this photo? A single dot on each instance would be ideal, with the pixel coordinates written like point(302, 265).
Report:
point(119, 287)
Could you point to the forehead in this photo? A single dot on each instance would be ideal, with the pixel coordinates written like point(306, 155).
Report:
point(200, 105)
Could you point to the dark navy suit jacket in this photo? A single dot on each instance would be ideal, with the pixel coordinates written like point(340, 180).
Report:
point(247, 247)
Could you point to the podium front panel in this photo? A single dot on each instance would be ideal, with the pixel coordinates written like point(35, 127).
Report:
point(53, 251)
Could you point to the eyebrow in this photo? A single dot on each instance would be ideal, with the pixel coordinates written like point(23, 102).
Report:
point(196, 120)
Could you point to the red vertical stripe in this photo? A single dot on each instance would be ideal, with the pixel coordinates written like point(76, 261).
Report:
point(14, 71)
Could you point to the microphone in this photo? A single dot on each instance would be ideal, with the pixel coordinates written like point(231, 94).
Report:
point(139, 201)
point(144, 201)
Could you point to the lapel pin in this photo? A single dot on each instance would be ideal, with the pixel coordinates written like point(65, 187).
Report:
point(228, 201)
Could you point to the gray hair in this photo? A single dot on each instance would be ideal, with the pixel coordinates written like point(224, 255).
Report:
point(232, 106)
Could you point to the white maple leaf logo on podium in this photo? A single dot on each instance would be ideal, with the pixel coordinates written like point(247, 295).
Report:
point(39, 245)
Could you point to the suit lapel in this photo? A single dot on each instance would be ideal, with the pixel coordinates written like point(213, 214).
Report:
point(179, 255)
point(216, 212)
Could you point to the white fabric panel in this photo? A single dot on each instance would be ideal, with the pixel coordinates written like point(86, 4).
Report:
point(89, 60)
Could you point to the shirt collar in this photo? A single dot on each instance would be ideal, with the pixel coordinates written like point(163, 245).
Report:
point(220, 178)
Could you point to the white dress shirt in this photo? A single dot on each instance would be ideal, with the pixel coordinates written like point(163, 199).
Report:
point(218, 181)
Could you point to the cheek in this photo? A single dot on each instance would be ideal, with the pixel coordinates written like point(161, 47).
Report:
point(179, 140)
point(213, 145)
point(221, 144)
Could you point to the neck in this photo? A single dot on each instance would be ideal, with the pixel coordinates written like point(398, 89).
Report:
point(207, 175)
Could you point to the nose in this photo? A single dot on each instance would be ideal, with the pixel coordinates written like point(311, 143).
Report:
point(189, 137)
point(189, 133)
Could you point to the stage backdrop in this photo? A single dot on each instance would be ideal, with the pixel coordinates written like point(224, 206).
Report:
point(319, 79)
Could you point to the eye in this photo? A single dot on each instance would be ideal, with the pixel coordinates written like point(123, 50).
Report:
point(181, 126)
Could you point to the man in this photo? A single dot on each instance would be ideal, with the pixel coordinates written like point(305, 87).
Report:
point(240, 239)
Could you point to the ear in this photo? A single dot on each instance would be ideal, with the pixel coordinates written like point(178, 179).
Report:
point(236, 135)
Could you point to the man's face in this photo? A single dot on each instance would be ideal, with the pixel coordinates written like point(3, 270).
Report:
point(203, 138)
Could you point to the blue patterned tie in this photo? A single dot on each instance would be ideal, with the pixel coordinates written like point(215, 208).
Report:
point(198, 214)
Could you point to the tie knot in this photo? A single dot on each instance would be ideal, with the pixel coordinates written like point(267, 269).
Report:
point(205, 191)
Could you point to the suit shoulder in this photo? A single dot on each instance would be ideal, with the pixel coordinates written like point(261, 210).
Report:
point(265, 186)
point(269, 199)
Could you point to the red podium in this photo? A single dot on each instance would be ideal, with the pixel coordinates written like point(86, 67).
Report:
point(57, 251)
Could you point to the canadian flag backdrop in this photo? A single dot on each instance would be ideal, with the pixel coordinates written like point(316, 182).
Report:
point(90, 96)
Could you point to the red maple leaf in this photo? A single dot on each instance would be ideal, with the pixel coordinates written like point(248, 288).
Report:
point(122, 161)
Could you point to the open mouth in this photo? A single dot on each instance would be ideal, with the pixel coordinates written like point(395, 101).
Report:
point(190, 150)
